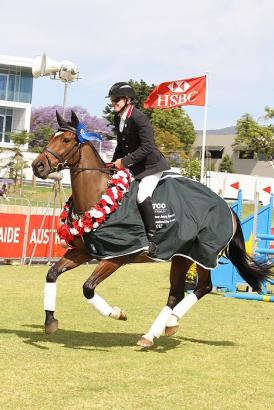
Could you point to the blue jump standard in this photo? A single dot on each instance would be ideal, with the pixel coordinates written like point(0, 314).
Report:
point(266, 236)
point(266, 251)
point(250, 296)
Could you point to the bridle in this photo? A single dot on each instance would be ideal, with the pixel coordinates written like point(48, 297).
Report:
point(63, 160)
point(63, 164)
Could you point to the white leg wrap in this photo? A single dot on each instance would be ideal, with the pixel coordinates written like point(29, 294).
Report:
point(172, 321)
point(159, 324)
point(100, 305)
point(50, 296)
point(184, 306)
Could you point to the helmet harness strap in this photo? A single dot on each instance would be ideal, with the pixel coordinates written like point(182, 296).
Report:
point(127, 103)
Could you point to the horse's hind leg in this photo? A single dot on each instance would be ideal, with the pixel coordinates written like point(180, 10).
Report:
point(179, 268)
point(178, 271)
point(70, 260)
point(203, 287)
point(204, 284)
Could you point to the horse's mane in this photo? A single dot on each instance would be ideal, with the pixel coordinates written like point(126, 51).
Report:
point(96, 153)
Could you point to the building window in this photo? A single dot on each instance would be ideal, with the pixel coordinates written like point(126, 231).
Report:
point(15, 84)
point(11, 87)
point(5, 124)
point(7, 128)
point(3, 86)
point(25, 87)
point(215, 154)
point(246, 154)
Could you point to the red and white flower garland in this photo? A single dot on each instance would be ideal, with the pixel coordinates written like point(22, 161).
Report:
point(118, 185)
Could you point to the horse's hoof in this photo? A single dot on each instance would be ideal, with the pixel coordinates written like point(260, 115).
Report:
point(118, 314)
point(51, 326)
point(171, 330)
point(143, 342)
point(123, 315)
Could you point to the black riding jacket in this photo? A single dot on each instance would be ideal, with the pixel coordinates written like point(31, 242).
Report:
point(136, 145)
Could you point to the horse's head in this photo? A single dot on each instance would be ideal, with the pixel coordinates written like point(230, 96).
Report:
point(62, 149)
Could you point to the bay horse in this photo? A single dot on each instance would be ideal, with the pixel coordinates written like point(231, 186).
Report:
point(89, 180)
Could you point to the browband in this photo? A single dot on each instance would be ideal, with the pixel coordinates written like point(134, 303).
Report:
point(68, 128)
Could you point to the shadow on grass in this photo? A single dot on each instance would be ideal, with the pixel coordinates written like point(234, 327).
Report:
point(208, 342)
point(74, 339)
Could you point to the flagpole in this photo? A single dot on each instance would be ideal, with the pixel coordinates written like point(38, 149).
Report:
point(204, 133)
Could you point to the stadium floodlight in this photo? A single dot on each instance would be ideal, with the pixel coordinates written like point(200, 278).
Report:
point(65, 71)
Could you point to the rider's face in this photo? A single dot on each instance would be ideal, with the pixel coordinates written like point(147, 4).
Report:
point(118, 103)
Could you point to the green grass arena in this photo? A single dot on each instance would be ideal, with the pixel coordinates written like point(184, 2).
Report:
point(221, 358)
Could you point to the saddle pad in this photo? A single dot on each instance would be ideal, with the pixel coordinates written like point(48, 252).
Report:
point(191, 221)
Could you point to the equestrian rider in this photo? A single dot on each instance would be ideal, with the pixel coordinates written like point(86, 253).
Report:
point(137, 151)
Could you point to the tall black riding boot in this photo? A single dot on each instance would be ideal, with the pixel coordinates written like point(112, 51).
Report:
point(147, 213)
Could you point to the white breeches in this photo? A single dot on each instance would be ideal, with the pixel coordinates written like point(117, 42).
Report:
point(147, 186)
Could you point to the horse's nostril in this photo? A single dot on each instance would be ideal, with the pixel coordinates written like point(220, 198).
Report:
point(40, 166)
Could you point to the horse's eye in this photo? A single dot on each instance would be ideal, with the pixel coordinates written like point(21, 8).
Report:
point(66, 140)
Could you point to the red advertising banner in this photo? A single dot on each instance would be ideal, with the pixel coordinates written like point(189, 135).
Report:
point(40, 238)
point(12, 237)
point(178, 93)
point(12, 228)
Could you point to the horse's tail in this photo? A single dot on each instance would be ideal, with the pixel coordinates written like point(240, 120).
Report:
point(252, 271)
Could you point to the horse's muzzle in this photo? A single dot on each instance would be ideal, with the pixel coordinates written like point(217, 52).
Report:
point(39, 170)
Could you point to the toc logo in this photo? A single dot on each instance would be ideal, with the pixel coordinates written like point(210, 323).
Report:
point(159, 205)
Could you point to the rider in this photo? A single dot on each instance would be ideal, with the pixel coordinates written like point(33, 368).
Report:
point(137, 151)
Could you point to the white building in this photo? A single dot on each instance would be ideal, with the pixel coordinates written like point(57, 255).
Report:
point(219, 145)
point(16, 82)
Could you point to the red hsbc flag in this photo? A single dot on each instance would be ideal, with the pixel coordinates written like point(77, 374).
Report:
point(177, 93)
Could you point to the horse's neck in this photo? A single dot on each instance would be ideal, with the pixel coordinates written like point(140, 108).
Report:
point(87, 186)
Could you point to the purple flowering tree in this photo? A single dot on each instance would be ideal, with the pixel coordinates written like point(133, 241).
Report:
point(43, 124)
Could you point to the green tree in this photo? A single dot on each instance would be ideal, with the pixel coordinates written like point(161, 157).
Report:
point(254, 137)
point(226, 164)
point(269, 113)
point(170, 145)
point(178, 123)
point(41, 137)
point(191, 168)
point(17, 163)
point(21, 138)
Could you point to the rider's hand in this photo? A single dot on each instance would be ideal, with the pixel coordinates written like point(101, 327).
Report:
point(118, 163)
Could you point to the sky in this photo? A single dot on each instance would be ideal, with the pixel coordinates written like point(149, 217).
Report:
point(152, 40)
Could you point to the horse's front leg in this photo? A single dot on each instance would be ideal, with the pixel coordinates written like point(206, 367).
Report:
point(71, 259)
point(102, 271)
point(178, 271)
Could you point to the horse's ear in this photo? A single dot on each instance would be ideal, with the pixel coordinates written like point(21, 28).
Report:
point(74, 120)
point(60, 120)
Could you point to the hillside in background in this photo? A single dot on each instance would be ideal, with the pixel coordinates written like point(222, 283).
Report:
point(220, 131)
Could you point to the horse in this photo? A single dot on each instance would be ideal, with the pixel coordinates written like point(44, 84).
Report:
point(89, 180)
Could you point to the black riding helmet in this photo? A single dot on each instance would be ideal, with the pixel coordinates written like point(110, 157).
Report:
point(121, 89)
